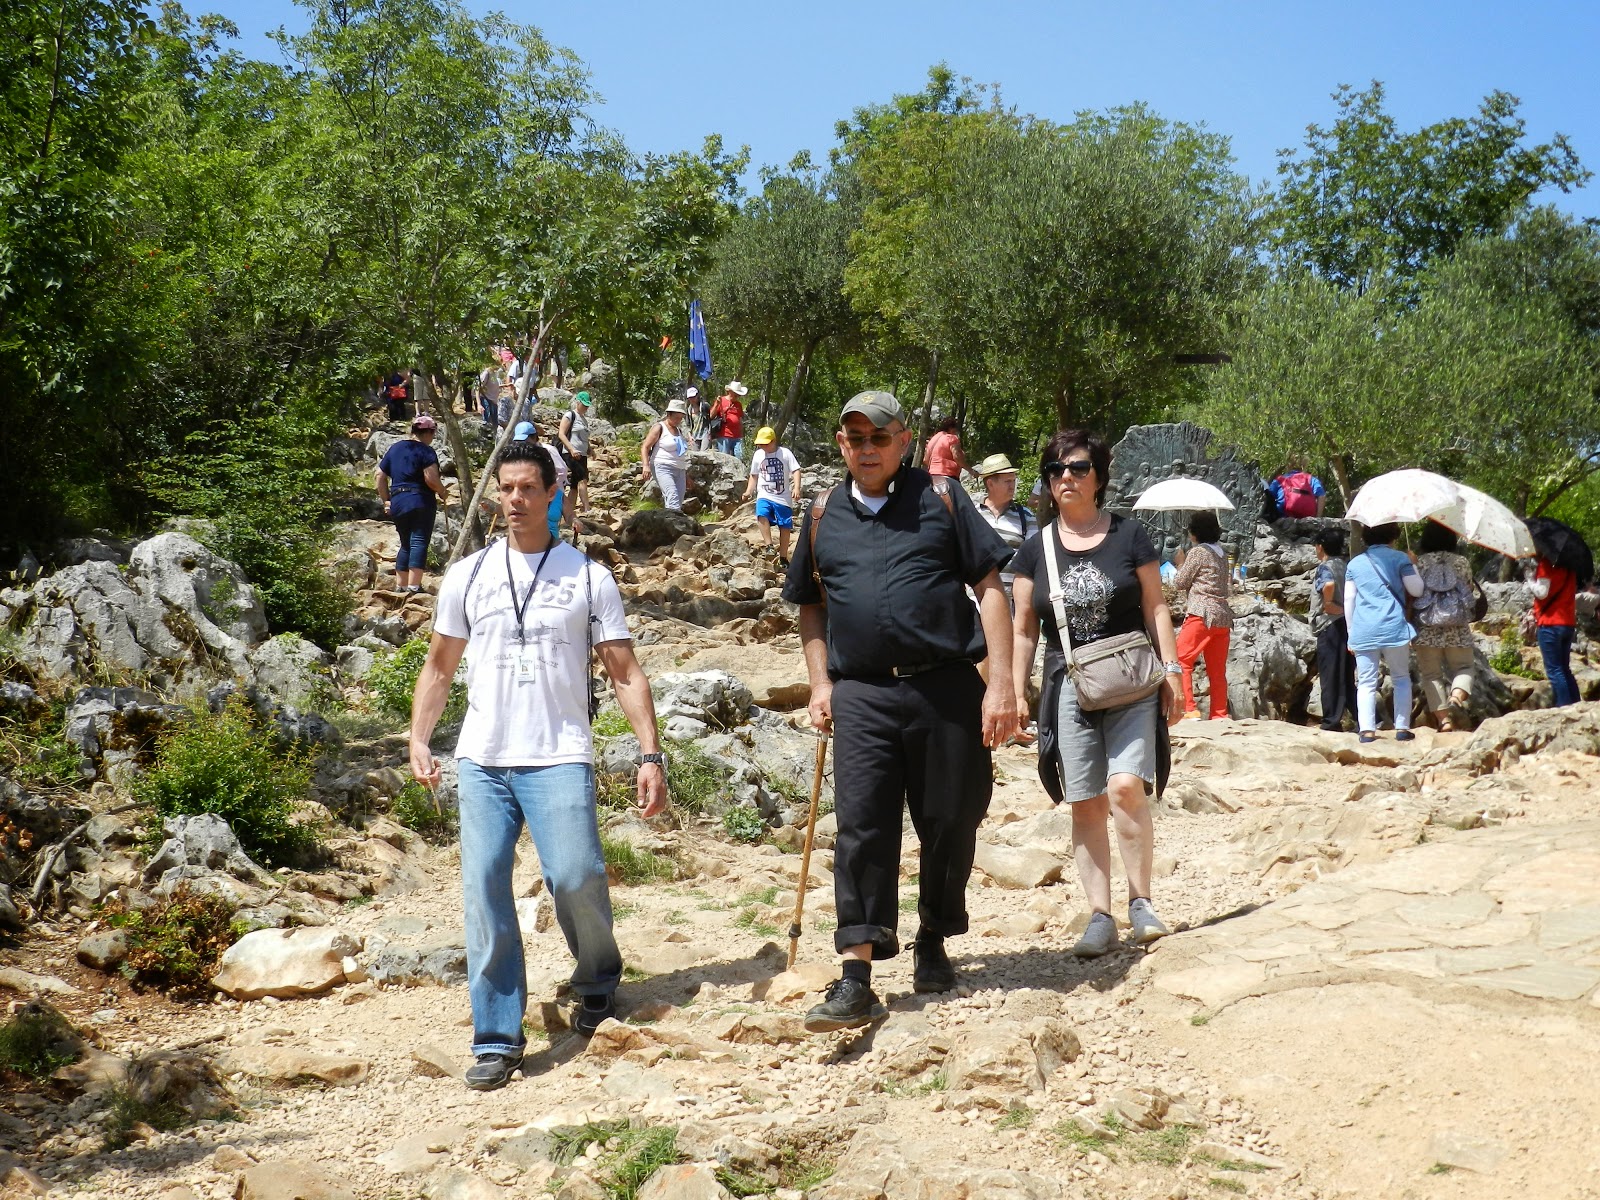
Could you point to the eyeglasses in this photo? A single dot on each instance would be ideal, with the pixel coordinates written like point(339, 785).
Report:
point(882, 439)
point(1080, 468)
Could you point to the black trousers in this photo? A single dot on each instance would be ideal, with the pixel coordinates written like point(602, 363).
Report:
point(1336, 673)
point(912, 744)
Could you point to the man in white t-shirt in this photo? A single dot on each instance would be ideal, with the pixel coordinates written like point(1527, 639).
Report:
point(525, 611)
point(775, 482)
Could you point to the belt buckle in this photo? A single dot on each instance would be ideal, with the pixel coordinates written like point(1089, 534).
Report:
point(902, 672)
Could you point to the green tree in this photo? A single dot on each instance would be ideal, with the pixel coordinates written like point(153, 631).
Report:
point(780, 268)
point(1368, 206)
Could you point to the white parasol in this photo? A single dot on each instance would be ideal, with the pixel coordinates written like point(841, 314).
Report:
point(1182, 494)
point(1405, 496)
point(1483, 520)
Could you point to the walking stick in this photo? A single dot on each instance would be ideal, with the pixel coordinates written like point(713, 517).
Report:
point(805, 857)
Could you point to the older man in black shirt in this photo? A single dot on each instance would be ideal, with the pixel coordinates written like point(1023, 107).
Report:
point(891, 642)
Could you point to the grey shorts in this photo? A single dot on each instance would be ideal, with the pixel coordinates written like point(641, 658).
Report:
point(1118, 741)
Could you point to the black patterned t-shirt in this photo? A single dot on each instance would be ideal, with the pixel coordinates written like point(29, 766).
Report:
point(1100, 587)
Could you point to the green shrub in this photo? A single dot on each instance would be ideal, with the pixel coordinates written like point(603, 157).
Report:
point(175, 944)
point(632, 1153)
point(37, 1041)
point(125, 1110)
point(35, 752)
point(615, 793)
point(632, 865)
point(1508, 659)
point(610, 723)
point(228, 763)
point(697, 783)
point(414, 808)
point(393, 681)
point(744, 824)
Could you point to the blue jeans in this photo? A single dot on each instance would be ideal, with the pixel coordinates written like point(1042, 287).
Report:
point(488, 405)
point(1555, 646)
point(557, 805)
point(416, 531)
point(1398, 660)
point(733, 446)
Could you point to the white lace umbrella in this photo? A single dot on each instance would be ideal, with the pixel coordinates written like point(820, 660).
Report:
point(1182, 494)
point(1405, 496)
point(1483, 520)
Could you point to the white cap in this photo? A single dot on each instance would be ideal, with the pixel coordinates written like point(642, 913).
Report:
point(692, 392)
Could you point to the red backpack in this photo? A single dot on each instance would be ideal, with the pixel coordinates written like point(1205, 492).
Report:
point(1298, 498)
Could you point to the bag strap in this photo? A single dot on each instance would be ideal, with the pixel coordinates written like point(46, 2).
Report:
point(819, 505)
point(588, 641)
point(466, 594)
point(1057, 600)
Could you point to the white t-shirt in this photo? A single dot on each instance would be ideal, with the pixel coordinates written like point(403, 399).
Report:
point(773, 472)
point(527, 702)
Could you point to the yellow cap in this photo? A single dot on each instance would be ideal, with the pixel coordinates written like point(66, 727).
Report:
point(766, 435)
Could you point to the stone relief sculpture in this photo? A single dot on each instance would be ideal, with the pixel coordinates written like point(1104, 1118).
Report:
point(1147, 454)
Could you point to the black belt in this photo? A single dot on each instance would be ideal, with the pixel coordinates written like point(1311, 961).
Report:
point(924, 668)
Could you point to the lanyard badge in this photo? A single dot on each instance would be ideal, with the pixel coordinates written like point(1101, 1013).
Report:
point(523, 663)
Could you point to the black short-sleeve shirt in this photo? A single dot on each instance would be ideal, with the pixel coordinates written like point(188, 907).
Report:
point(1100, 587)
point(896, 580)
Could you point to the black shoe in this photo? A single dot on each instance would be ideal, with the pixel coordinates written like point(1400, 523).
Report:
point(1404, 735)
point(847, 1004)
point(492, 1071)
point(932, 971)
point(1367, 737)
point(592, 1011)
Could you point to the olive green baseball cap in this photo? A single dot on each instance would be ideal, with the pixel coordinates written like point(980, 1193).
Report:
point(878, 407)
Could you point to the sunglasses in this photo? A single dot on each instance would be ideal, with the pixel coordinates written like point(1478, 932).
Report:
point(1080, 468)
point(881, 439)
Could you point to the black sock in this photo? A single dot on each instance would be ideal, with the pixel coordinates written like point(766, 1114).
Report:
point(857, 969)
point(925, 938)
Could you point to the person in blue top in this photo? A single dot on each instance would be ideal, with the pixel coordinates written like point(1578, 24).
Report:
point(1376, 584)
point(408, 480)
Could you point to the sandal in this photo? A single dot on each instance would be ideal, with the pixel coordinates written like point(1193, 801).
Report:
point(1446, 725)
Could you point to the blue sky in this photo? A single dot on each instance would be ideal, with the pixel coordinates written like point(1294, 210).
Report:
point(777, 76)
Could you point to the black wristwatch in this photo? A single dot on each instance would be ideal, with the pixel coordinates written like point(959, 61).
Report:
point(658, 758)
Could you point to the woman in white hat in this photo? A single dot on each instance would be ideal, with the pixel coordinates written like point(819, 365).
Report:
point(665, 454)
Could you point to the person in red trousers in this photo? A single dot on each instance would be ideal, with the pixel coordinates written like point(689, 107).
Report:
point(1209, 624)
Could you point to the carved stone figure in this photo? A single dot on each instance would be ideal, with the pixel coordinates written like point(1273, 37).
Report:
point(1147, 454)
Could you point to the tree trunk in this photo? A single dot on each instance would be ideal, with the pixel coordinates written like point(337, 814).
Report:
point(1066, 402)
point(471, 528)
point(1341, 476)
point(792, 400)
point(766, 390)
point(744, 364)
point(458, 449)
point(925, 424)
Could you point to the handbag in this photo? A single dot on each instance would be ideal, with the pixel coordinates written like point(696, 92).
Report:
point(1109, 673)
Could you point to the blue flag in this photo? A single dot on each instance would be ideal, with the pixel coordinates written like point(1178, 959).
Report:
point(699, 348)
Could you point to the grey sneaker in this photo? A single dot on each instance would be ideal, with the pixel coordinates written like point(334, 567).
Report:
point(1100, 938)
point(492, 1071)
point(1146, 926)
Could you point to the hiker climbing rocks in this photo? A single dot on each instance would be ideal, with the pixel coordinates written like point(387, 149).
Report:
point(890, 643)
point(526, 611)
point(574, 435)
point(727, 419)
point(775, 483)
point(665, 455)
point(408, 480)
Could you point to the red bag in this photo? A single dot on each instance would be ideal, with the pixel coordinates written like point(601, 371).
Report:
point(1298, 498)
point(396, 391)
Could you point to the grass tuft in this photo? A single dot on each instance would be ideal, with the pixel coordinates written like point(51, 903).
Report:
point(634, 866)
point(37, 1041)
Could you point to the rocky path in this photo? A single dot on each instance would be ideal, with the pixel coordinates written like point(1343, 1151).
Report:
point(1366, 1000)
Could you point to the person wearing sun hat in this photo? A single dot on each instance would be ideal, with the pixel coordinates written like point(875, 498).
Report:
point(774, 482)
point(665, 455)
point(880, 572)
point(574, 435)
point(1000, 507)
point(727, 419)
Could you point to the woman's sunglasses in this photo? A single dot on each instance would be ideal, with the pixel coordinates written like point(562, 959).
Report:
point(1080, 468)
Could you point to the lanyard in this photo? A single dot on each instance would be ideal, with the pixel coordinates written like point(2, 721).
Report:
point(521, 609)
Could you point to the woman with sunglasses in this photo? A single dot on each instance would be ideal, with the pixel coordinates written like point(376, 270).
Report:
point(1102, 763)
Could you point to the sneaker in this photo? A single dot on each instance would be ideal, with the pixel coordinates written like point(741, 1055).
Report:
point(592, 1011)
point(1404, 735)
point(492, 1071)
point(1100, 938)
point(1146, 927)
point(847, 1004)
point(932, 971)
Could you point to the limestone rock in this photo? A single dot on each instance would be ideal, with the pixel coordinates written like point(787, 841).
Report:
point(291, 668)
point(1016, 867)
point(766, 1029)
point(89, 615)
point(413, 966)
point(420, 1152)
point(103, 949)
point(435, 1062)
point(453, 1183)
point(776, 678)
point(205, 841)
point(1006, 1060)
point(684, 1181)
point(1467, 1150)
point(653, 527)
point(292, 1064)
point(1271, 661)
point(209, 591)
point(285, 962)
point(716, 698)
point(289, 1180)
point(181, 1078)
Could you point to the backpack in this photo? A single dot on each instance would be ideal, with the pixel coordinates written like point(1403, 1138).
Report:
point(1446, 599)
point(819, 505)
point(1298, 498)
